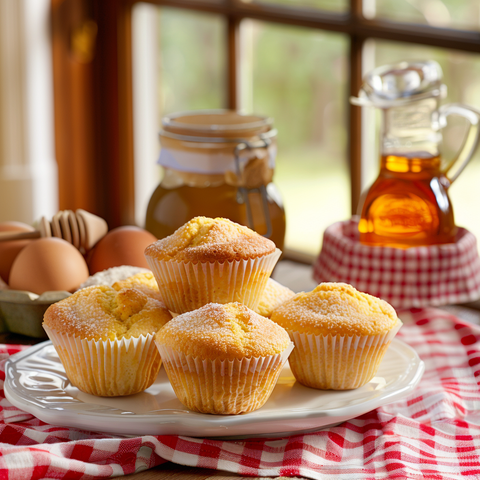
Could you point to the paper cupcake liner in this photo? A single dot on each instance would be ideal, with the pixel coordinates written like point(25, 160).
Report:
point(108, 368)
point(185, 286)
point(222, 386)
point(336, 362)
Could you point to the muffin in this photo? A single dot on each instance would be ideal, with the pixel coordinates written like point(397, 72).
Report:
point(123, 277)
point(112, 275)
point(223, 359)
point(340, 335)
point(144, 281)
point(273, 296)
point(105, 339)
point(211, 260)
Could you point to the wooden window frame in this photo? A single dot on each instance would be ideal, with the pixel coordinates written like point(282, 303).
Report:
point(93, 100)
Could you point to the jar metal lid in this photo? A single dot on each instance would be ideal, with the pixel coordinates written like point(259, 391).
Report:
point(225, 125)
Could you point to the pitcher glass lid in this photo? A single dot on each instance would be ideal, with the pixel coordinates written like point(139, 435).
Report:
point(400, 83)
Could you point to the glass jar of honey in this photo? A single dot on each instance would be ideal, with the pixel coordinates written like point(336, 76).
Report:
point(217, 163)
point(408, 204)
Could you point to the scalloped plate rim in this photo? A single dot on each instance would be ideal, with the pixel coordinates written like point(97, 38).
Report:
point(290, 420)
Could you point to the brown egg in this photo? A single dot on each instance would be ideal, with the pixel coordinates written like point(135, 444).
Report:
point(9, 250)
point(48, 264)
point(121, 246)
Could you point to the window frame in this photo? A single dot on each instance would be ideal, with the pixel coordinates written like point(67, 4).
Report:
point(107, 127)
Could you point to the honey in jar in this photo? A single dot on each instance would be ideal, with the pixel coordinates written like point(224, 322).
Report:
point(408, 204)
point(217, 164)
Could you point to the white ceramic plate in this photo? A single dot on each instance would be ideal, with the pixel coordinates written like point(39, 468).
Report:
point(36, 383)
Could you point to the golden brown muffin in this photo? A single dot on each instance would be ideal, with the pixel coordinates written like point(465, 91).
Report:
point(104, 338)
point(223, 359)
point(224, 332)
point(340, 335)
point(211, 261)
point(205, 239)
point(144, 281)
point(273, 296)
point(102, 313)
point(336, 309)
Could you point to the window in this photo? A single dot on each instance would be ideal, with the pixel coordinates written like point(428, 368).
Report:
point(298, 61)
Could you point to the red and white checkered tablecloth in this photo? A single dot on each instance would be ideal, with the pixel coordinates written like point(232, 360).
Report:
point(414, 277)
point(433, 434)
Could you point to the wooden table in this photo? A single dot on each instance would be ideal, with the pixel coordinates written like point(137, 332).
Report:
point(171, 471)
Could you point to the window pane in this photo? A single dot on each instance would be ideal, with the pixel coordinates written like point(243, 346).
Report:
point(178, 65)
point(460, 74)
point(192, 67)
point(462, 14)
point(298, 76)
point(337, 6)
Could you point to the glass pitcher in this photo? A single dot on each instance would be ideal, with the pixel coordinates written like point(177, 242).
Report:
point(408, 205)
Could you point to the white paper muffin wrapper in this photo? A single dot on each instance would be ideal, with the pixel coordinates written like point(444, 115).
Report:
point(338, 362)
point(222, 386)
point(185, 286)
point(108, 367)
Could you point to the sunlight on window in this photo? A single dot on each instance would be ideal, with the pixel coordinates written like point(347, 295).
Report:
point(299, 77)
point(337, 6)
point(192, 67)
point(462, 14)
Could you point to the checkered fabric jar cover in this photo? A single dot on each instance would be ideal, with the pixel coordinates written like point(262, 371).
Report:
point(414, 277)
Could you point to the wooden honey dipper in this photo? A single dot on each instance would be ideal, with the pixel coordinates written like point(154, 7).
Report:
point(80, 228)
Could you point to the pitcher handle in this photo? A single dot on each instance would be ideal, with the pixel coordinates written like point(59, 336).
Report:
point(471, 139)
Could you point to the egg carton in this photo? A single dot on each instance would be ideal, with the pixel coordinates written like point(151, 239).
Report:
point(22, 312)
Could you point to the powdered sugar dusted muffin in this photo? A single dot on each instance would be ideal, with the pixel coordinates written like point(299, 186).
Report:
point(273, 296)
point(143, 281)
point(112, 275)
point(340, 335)
point(123, 277)
point(223, 359)
point(211, 260)
point(104, 338)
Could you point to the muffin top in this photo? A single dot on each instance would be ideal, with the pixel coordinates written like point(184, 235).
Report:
point(225, 332)
point(205, 239)
point(273, 296)
point(335, 309)
point(143, 281)
point(112, 275)
point(103, 313)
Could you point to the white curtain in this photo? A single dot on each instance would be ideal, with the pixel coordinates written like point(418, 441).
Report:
point(28, 171)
